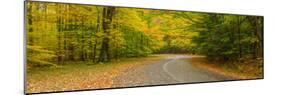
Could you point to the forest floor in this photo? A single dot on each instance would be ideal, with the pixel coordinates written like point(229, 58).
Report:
point(81, 75)
point(158, 69)
point(249, 69)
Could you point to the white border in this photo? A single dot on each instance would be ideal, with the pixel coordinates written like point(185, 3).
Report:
point(11, 49)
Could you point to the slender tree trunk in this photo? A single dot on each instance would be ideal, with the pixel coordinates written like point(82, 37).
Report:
point(97, 30)
point(30, 23)
point(59, 53)
point(106, 24)
point(257, 33)
point(82, 55)
point(65, 23)
point(116, 44)
point(239, 39)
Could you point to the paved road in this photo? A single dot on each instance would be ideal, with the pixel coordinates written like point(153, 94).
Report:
point(174, 69)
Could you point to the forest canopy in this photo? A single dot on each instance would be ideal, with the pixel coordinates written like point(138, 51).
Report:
point(58, 33)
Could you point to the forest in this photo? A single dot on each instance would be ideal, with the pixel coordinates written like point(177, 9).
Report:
point(75, 46)
point(58, 33)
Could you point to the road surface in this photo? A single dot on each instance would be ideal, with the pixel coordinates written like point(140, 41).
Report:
point(172, 70)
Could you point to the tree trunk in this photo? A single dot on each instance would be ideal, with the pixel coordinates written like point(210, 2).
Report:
point(239, 39)
point(97, 30)
point(59, 53)
point(30, 23)
point(82, 55)
point(106, 23)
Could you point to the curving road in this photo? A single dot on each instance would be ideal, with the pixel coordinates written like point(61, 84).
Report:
point(174, 69)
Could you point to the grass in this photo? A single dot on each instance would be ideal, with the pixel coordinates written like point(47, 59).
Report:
point(250, 69)
point(81, 75)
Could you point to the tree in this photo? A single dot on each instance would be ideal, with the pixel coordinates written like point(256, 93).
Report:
point(64, 33)
point(107, 16)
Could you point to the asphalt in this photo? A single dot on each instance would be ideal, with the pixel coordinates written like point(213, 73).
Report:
point(172, 70)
